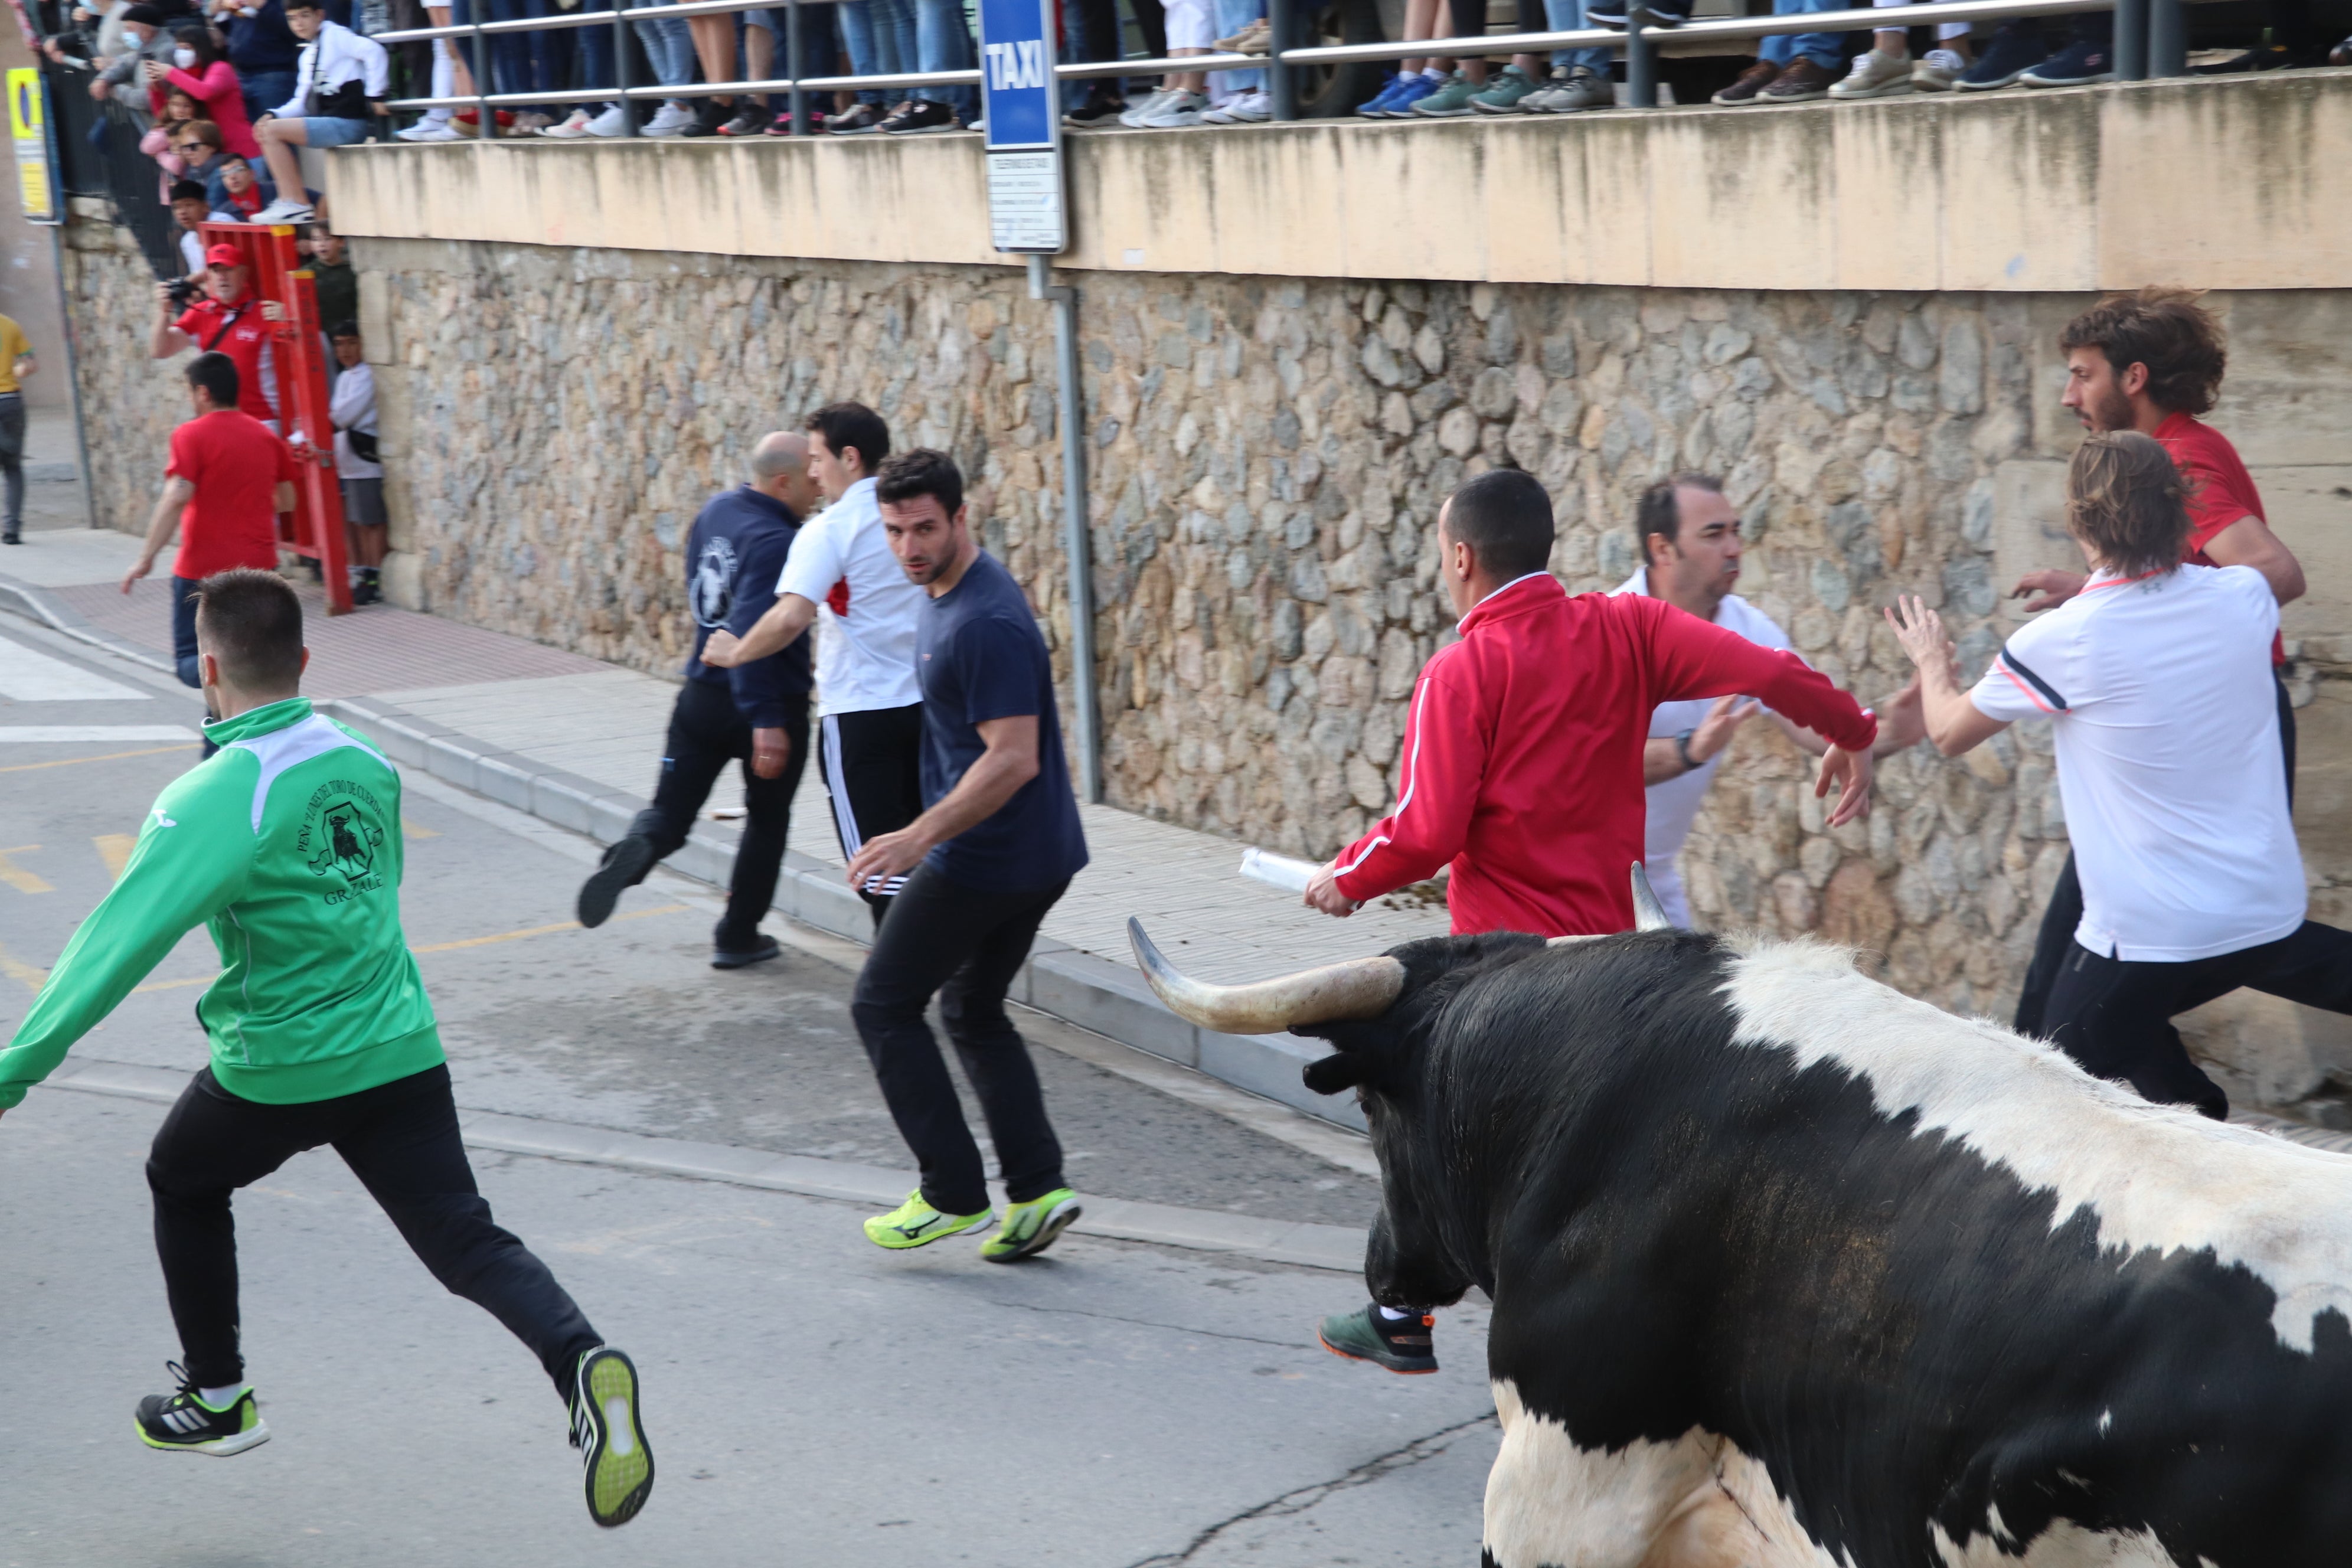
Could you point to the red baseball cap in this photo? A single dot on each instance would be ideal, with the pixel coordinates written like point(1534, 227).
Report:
point(224, 256)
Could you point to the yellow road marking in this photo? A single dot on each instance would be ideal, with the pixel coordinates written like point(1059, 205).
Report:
point(23, 974)
point(16, 877)
point(114, 848)
point(109, 757)
point(413, 831)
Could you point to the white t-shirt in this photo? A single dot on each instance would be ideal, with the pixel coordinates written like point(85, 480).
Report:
point(352, 406)
point(865, 625)
point(2166, 717)
point(1674, 803)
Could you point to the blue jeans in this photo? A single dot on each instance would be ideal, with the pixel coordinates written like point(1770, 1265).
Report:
point(264, 90)
point(668, 44)
point(596, 56)
point(1824, 49)
point(183, 625)
point(943, 43)
point(880, 38)
point(1565, 15)
point(1232, 15)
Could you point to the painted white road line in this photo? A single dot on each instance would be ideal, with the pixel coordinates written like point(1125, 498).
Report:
point(30, 676)
point(90, 734)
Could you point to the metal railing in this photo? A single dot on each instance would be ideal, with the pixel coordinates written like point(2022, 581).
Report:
point(2150, 39)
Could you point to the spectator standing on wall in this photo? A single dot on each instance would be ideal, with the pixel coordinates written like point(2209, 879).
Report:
point(879, 37)
point(755, 713)
point(669, 48)
point(16, 363)
point(1790, 68)
point(1473, 84)
point(198, 71)
point(869, 701)
point(331, 277)
point(1886, 68)
point(228, 479)
point(1183, 96)
point(230, 319)
point(994, 849)
point(2152, 361)
point(340, 83)
point(1692, 551)
point(2017, 53)
point(1240, 96)
point(942, 43)
point(262, 47)
point(351, 409)
point(1579, 79)
point(2158, 691)
point(1415, 78)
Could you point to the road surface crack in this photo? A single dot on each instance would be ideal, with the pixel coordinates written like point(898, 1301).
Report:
point(1305, 1498)
point(1151, 1323)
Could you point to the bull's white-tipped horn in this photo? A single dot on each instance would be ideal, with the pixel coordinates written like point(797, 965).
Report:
point(1648, 914)
point(1360, 988)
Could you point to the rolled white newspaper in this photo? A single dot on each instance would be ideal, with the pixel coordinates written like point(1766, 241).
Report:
point(1278, 870)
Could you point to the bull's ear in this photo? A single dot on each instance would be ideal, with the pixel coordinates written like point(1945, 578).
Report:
point(1330, 1074)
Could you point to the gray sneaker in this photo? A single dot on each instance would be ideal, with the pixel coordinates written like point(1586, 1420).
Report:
point(1567, 91)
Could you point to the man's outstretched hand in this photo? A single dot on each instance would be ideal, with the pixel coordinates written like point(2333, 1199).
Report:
point(2050, 589)
point(1850, 770)
point(1323, 893)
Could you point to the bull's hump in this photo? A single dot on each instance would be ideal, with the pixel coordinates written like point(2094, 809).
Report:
point(2154, 1177)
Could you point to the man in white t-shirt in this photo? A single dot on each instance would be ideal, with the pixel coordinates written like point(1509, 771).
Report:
point(1690, 541)
point(841, 573)
point(2157, 680)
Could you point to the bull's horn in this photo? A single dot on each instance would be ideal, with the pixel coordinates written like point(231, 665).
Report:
point(1648, 914)
point(1360, 988)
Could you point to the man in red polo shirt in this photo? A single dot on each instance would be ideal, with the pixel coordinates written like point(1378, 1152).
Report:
point(230, 478)
point(230, 319)
point(2151, 361)
point(1522, 761)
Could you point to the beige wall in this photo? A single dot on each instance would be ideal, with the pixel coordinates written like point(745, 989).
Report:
point(2026, 192)
point(28, 271)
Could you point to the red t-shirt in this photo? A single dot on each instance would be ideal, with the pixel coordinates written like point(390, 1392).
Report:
point(236, 464)
point(2221, 491)
point(245, 340)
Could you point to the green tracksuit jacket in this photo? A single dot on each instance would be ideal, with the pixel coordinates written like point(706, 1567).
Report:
point(287, 843)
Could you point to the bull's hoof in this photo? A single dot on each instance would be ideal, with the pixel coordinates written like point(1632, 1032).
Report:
point(1405, 1346)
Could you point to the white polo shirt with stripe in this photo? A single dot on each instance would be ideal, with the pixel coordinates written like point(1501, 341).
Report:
point(2160, 697)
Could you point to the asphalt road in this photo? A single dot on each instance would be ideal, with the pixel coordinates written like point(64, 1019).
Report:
point(809, 1398)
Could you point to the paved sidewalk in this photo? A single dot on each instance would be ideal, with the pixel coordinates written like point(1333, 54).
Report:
point(577, 741)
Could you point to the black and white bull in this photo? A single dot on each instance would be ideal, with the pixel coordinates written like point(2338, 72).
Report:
point(1789, 1269)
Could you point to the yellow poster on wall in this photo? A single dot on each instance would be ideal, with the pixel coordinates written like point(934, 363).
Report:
point(28, 129)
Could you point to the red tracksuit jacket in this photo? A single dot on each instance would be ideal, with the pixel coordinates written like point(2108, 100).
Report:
point(1523, 752)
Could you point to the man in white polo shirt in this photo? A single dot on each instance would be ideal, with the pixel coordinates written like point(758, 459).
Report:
point(1690, 541)
point(2157, 680)
point(869, 705)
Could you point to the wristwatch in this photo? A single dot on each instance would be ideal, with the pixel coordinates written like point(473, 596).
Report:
point(1681, 749)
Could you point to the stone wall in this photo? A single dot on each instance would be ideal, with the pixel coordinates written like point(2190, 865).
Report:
point(130, 401)
point(1267, 458)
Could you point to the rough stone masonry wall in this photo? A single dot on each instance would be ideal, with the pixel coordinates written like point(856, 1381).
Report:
point(131, 402)
point(1267, 456)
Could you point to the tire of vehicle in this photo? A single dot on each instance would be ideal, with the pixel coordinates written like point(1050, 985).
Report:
point(1326, 93)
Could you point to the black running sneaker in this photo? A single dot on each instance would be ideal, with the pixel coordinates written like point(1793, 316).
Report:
point(626, 861)
point(1407, 1345)
point(709, 116)
point(921, 116)
point(608, 1430)
point(751, 120)
point(182, 1421)
point(763, 948)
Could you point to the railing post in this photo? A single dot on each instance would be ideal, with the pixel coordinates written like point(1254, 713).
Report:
point(1281, 89)
point(620, 68)
point(2131, 40)
point(792, 58)
point(1641, 60)
point(2168, 38)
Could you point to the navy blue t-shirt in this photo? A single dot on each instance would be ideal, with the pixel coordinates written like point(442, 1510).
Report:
point(979, 657)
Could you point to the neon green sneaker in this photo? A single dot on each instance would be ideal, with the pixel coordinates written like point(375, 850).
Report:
point(608, 1428)
point(916, 1223)
point(1030, 1229)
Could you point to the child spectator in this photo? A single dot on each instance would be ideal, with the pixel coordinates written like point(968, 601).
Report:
point(351, 408)
point(338, 83)
point(450, 80)
point(189, 209)
point(198, 71)
point(331, 277)
point(244, 194)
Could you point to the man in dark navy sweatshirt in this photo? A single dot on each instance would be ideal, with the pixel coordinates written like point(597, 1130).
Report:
point(757, 714)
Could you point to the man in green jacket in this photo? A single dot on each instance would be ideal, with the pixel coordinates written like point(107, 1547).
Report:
point(286, 842)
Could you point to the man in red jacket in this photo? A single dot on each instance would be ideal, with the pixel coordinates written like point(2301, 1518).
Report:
point(1523, 761)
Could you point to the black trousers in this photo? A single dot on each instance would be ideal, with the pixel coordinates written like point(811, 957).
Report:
point(400, 1138)
point(2053, 946)
point(707, 732)
point(965, 945)
point(873, 770)
point(2116, 1017)
point(12, 455)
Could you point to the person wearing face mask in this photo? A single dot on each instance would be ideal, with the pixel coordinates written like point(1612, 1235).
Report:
point(198, 70)
point(145, 43)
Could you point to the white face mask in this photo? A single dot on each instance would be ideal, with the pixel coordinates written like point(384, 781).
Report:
point(184, 59)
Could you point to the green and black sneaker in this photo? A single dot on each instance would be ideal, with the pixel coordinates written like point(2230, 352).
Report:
point(184, 1422)
point(608, 1428)
point(1030, 1229)
point(1407, 1345)
point(916, 1223)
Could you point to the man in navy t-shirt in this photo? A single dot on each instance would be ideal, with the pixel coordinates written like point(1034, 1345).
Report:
point(996, 845)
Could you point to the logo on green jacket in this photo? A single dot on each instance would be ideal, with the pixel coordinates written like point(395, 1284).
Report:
point(341, 832)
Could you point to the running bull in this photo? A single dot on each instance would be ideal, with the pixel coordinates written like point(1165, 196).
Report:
point(1789, 1269)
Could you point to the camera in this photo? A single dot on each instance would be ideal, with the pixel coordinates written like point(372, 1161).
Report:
point(184, 291)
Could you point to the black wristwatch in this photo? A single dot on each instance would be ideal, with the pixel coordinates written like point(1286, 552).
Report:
point(1681, 749)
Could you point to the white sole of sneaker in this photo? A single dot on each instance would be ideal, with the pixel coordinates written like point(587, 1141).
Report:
point(1062, 1216)
point(218, 1447)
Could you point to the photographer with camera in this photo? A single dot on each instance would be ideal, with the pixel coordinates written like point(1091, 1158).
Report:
point(227, 318)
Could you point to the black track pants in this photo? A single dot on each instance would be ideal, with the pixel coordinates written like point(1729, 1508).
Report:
point(707, 732)
point(873, 771)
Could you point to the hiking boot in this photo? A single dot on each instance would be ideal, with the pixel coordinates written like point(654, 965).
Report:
point(182, 1421)
point(1406, 1345)
point(608, 1428)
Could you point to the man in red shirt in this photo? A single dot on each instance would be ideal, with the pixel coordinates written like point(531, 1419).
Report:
point(1523, 752)
point(230, 478)
point(231, 320)
point(2151, 361)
